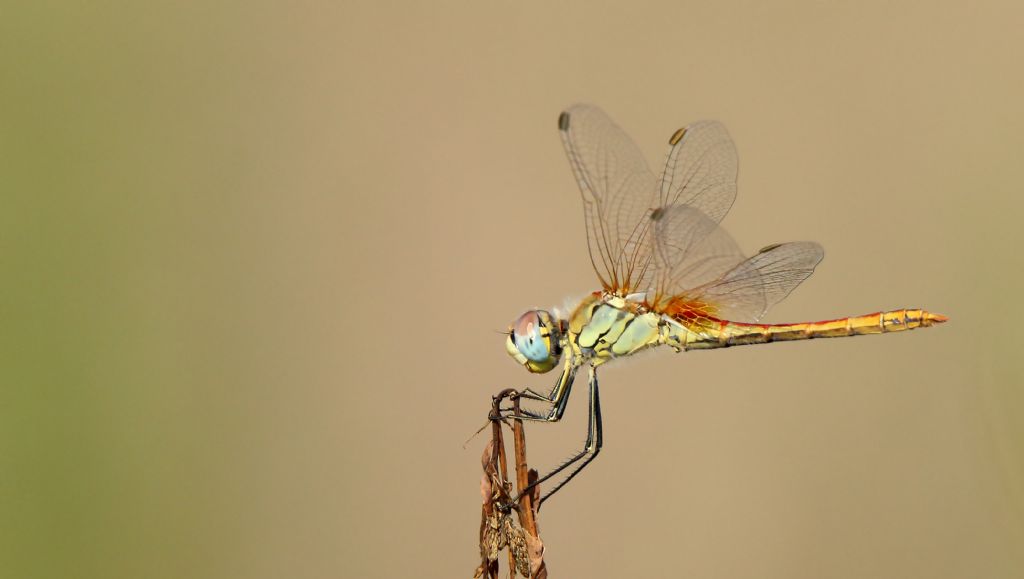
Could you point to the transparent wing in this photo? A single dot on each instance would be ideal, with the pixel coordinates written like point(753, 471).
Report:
point(748, 290)
point(619, 192)
point(691, 249)
point(700, 170)
point(641, 231)
point(697, 189)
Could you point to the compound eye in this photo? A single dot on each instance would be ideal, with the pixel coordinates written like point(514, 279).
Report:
point(531, 338)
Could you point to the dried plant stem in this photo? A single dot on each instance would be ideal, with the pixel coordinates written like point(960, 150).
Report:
point(529, 501)
point(497, 529)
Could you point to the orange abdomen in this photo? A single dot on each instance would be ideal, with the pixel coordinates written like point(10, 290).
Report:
point(721, 333)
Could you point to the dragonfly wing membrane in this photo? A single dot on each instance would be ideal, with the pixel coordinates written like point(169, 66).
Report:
point(691, 250)
point(618, 190)
point(700, 169)
point(696, 190)
point(748, 290)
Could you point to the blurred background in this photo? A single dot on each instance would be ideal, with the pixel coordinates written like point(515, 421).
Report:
point(255, 258)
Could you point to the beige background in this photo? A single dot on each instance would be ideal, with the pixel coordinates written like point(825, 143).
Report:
point(255, 257)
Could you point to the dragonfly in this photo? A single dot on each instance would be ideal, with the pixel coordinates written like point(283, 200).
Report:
point(670, 274)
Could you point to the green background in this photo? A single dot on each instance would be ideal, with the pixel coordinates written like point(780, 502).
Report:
point(254, 256)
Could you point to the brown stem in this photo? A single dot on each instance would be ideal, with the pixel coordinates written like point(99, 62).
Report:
point(497, 529)
point(528, 501)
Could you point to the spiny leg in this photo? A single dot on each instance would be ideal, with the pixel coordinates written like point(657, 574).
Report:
point(590, 449)
point(594, 440)
point(557, 398)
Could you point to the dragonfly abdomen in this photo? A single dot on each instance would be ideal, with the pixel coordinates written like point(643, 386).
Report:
point(737, 334)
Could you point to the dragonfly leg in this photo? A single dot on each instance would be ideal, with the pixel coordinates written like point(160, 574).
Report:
point(557, 398)
point(531, 394)
point(590, 449)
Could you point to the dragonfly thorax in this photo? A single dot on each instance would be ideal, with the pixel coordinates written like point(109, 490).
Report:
point(606, 326)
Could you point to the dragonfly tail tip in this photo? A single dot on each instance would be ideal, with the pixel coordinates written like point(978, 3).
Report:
point(935, 318)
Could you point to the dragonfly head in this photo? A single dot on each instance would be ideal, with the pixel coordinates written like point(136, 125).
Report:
point(535, 341)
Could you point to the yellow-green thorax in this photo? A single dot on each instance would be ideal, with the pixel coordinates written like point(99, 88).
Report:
point(606, 326)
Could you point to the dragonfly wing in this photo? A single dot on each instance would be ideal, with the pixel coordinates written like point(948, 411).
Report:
point(619, 192)
point(697, 189)
point(691, 249)
point(700, 170)
point(665, 233)
point(748, 290)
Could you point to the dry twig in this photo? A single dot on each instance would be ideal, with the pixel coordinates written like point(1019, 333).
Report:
point(498, 530)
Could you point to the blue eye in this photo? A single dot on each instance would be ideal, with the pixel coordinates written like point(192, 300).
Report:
point(534, 341)
point(531, 343)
